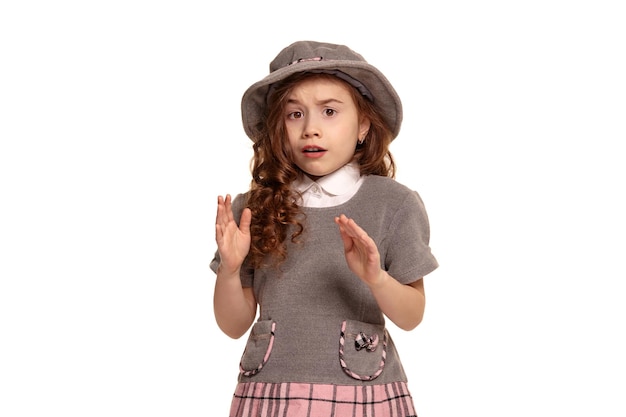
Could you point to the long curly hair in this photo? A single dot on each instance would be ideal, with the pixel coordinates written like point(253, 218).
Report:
point(276, 214)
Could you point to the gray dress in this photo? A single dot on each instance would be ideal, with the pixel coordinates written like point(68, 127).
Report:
point(318, 324)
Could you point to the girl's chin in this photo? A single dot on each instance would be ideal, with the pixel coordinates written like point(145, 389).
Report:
point(317, 174)
point(313, 177)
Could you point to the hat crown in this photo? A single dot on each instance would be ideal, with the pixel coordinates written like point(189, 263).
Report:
point(306, 51)
point(321, 57)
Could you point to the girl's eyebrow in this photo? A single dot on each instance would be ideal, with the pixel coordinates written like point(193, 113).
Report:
point(330, 100)
point(318, 102)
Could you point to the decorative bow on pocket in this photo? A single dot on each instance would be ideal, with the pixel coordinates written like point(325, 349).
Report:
point(364, 341)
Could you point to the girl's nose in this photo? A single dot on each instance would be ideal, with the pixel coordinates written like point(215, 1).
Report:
point(311, 128)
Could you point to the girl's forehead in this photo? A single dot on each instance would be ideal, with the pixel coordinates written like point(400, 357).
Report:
point(326, 86)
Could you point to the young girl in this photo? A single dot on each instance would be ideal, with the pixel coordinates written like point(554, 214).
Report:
point(326, 243)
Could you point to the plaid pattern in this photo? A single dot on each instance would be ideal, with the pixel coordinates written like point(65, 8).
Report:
point(344, 366)
point(265, 358)
point(258, 399)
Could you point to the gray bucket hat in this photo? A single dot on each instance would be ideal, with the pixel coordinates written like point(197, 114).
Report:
point(339, 60)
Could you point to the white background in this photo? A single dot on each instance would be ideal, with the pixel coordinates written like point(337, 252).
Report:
point(120, 125)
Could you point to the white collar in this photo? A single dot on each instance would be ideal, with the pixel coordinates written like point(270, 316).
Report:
point(337, 183)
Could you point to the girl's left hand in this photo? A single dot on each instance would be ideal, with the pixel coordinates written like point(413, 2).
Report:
point(360, 250)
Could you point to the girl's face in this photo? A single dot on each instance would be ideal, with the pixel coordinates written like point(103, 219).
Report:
point(323, 126)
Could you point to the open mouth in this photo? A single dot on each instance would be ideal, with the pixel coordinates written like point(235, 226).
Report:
point(313, 149)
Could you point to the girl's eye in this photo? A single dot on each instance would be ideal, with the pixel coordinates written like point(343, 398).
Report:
point(295, 115)
point(329, 112)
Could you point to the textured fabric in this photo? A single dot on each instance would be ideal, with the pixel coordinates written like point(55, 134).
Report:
point(309, 297)
point(306, 400)
point(315, 313)
point(339, 60)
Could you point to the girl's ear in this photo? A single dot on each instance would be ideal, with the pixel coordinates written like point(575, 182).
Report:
point(364, 127)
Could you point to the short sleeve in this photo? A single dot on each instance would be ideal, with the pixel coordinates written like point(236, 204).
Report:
point(247, 272)
point(408, 256)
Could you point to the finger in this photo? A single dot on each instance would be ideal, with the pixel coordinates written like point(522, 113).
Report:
point(220, 209)
point(339, 222)
point(358, 235)
point(222, 212)
point(246, 219)
point(348, 242)
point(229, 207)
point(351, 228)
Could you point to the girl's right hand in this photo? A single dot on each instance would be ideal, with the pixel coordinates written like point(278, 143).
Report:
point(233, 243)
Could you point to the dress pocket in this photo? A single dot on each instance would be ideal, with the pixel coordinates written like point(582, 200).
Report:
point(258, 348)
point(362, 349)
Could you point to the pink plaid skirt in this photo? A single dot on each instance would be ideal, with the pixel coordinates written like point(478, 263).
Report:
point(258, 399)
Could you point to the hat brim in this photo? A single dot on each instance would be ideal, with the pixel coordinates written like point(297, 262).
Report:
point(385, 97)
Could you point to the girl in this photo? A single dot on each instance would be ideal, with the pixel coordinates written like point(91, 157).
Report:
point(326, 243)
